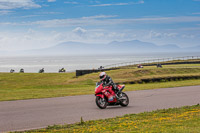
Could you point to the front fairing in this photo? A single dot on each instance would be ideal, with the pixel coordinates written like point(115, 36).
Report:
point(98, 88)
point(120, 87)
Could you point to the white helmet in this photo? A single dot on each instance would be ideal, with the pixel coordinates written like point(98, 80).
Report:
point(102, 76)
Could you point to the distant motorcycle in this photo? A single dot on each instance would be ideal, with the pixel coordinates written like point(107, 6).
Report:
point(12, 71)
point(62, 70)
point(105, 96)
point(159, 65)
point(139, 66)
point(41, 70)
point(21, 70)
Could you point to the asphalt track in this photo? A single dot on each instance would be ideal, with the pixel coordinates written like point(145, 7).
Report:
point(39, 113)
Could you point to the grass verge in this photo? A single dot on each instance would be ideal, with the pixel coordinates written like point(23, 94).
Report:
point(17, 86)
point(179, 120)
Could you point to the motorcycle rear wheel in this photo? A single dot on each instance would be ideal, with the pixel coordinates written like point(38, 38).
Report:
point(125, 100)
point(101, 102)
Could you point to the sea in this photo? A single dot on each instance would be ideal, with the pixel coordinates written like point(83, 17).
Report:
point(51, 64)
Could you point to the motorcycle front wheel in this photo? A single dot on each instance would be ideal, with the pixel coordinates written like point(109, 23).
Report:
point(101, 102)
point(125, 100)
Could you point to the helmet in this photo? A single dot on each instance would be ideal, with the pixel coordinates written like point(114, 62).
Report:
point(102, 76)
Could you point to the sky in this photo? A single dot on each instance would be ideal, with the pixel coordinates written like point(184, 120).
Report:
point(35, 24)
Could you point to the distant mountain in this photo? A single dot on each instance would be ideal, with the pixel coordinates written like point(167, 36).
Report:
point(125, 47)
point(75, 48)
point(132, 46)
point(170, 47)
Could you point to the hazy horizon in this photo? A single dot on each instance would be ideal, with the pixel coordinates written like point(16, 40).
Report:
point(32, 64)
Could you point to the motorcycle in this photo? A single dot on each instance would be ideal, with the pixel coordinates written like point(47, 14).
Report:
point(21, 70)
point(41, 70)
point(12, 71)
point(105, 96)
point(62, 70)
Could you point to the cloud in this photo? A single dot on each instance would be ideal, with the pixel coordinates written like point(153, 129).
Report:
point(32, 39)
point(30, 16)
point(100, 20)
point(13, 4)
point(141, 2)
point(116, 4)
point(79, 31)
point(153, 34)
point(5, 12)
point(99, 16)
point(95, 1)
point(119, 4)
point(40, 14)
point(51, 13)
point(51, 0)
point(29, 39)
point(35, 39)
point(196, 13)
point(188, 36)
point(71, 2)
point(106, 20)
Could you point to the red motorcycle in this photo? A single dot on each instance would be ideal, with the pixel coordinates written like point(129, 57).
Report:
point(105, 96)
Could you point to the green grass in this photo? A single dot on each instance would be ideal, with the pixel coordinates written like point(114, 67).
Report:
point(182, 65)
point(174, 120)
point(16, 86)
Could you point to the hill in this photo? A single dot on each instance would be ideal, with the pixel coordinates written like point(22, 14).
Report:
point(115, 47)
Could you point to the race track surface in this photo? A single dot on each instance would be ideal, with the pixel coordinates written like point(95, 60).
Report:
point(39, 113)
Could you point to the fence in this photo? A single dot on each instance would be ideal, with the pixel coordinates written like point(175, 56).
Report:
point(157, 61)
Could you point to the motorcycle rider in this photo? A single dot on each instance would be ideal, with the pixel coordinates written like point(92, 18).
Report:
point(108, 81)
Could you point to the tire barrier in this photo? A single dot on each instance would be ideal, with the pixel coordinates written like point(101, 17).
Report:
point(83, 72)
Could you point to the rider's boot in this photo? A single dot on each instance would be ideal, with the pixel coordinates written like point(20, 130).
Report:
point(117, 90)
point(118, 93)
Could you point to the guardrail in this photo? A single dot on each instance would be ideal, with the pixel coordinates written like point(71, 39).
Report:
point(164, 61)
point(156, 61)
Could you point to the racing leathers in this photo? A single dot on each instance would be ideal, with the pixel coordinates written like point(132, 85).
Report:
point(108, 81)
